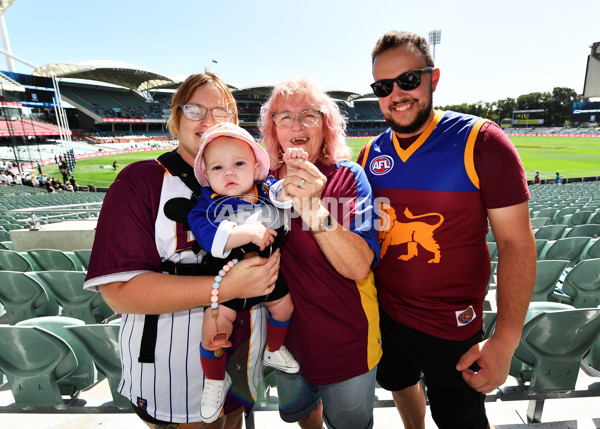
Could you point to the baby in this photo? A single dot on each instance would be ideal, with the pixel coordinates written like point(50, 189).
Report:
point(232, 213)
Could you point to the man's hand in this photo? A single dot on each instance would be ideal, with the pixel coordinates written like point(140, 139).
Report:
point(493, 358)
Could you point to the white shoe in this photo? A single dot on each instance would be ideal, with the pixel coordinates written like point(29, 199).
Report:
point(213, 398)
point(282, 360)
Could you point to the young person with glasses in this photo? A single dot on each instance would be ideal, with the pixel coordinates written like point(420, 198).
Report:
point(144, 262)
point(326, 259)
point(434, 267)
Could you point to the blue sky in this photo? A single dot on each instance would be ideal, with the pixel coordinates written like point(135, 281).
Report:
point(488, 50)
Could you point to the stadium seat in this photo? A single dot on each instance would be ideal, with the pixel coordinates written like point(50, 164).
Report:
point(267, 381)
point(595, 218)
point(53, 259)
point(43, 362)
point(580, 217)
point(538, 222)
point(6, 245)
point(75, 301)
point(569, 249)
point(586, 230)
point(493, 250)
point(548, 212)
point(552, 345)
point(540, 245)
point(551, 232)
point(24, 297)
point(548, 274)
point(593, 358)
point(84, 257)
point(582, 284)
point(489, 323)
point(33, 359)
point(490, 236)
point(84, 374)
point(102, 343)
point(559, 218)
point(4, 235)
point(594, 250)
point(14, 261)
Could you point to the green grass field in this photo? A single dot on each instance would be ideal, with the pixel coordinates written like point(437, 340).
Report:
point(571, 156)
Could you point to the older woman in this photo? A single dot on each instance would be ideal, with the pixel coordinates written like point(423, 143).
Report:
point(327, 259)
point(143, 262)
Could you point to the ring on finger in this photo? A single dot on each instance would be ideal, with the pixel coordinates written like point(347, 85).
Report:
point(301, 183)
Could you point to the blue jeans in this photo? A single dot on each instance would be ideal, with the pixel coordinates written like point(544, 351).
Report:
point(346, 405)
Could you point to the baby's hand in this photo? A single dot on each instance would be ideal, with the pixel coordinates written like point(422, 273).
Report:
point(294, 153)
point(257, 233)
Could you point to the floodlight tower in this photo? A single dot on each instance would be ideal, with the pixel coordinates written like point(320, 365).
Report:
point(435, 37)
point(4, 5)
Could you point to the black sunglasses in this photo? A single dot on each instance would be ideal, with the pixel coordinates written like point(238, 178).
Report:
point(406, 81)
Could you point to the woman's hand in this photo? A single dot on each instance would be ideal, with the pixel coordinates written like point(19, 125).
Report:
point(251, 277)
point(304, 183)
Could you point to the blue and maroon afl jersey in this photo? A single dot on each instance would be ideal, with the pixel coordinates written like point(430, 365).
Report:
point(434, 264)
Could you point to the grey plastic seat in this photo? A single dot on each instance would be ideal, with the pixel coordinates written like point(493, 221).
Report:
point(75, 301)
point(102, 343)
point(548, 274)
point(582, 284)
point(552, 347)
point(493, 250)
point(43, 361)
point(593, 251)
point(538, 222)
point(540, 245)
point(550, 232)
point(580, 217)
point(489, 323)
point(548, 212)
point(14, 261)
point(84, 257)
point(53, 259)
point(24, 297)
point(586, 230)
point(569, 249)
point(559, 218)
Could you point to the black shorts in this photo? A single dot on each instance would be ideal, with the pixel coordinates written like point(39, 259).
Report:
point(407, 353)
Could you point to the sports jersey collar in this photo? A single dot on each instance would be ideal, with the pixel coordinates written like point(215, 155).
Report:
point(404, 154)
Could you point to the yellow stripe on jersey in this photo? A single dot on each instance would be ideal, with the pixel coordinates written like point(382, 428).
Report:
point(469, 152)
point(368, 298)
point(405, 154)
point(366, 152)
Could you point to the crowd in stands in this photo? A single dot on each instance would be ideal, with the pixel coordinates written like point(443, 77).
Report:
point(51, 184)
point(553, 130)
point(154, 111)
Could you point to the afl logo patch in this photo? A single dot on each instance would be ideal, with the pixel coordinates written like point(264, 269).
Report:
point(465, 317)
point(381, 164)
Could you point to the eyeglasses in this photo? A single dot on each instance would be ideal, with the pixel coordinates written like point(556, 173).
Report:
point(406, 81)
point(308, 118)
point(197, 112)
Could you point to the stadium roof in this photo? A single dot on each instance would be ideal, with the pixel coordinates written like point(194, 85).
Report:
point(116, 73)
point(8, 84)
point(4, 5)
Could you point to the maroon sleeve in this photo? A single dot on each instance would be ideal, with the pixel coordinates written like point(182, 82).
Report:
point(124, 239)
point(502, 179)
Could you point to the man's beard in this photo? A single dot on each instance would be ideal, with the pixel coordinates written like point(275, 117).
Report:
point(421, 119)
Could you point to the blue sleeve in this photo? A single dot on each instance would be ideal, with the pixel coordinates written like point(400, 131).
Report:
point(365, 220)
point(203, 223)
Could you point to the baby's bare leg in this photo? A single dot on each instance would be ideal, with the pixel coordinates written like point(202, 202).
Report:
point(225, 318)
point(282, 309)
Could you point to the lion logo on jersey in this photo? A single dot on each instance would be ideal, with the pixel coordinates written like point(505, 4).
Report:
point(413, 233)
